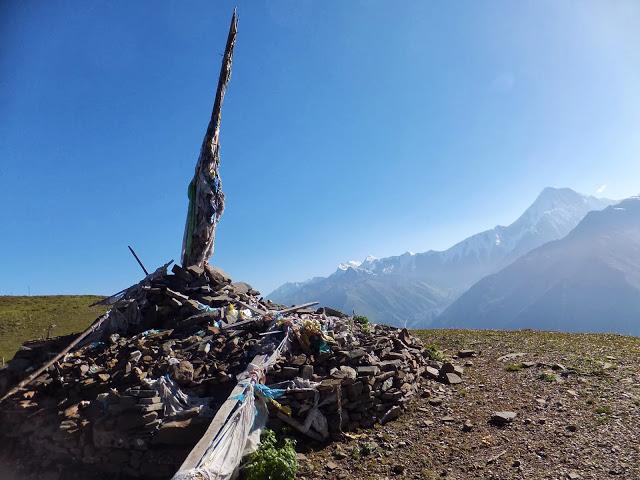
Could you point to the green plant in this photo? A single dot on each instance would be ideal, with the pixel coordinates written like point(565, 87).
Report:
point(361, 319)
point(514, 367)
point(355, 453)
point(367, 448)
point(434, 353)
point(547, 377)
point(603, 410)
point(273, 460)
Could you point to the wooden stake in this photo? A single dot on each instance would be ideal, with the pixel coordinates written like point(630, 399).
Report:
point(206, 199)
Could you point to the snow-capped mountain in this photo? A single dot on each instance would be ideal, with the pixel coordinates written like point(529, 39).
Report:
point(441, 276)
point(587, 281)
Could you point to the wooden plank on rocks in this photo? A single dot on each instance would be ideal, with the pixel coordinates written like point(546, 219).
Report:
point(195, 456)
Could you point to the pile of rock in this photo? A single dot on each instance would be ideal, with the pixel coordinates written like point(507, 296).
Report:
point(365, 376)
point(134, 398)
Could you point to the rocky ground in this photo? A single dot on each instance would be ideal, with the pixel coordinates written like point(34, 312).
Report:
point(576, 400)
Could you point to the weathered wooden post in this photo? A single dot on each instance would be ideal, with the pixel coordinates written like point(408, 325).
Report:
point(206, 199)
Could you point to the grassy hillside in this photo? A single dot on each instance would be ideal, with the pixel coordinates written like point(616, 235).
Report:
point(27, 318)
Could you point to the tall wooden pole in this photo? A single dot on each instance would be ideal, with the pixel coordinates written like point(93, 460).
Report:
point(206, 199)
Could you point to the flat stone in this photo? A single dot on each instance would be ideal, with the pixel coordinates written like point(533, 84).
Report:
point(217, 275)
point(195, 270)
point(466, 353)
point(151, 408)
point(368, 370)
point(241, 288)
point(452, 378)
point(502, 418)
point(449, 367)
point(177, 295)
point(511, 356)
point(391, 414)
point(432, 373)
point(331, 465)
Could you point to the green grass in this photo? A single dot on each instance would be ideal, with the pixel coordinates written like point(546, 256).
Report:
point(604, 410)
point(434, 352)
point(514, 367)
point(28, 318)
point(547, 377)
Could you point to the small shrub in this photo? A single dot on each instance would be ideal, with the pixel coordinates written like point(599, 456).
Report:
point(355, 453)
point(272, 460)
point(367, 449)
point(434, 353)
point(547, 377)
point(603, 410)
point(514, 367)
point(361, 319)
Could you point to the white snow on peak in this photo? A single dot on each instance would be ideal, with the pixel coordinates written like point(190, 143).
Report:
point(349, 264)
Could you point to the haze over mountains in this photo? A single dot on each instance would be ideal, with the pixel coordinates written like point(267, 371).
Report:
point(587, 281)
point(413, 289)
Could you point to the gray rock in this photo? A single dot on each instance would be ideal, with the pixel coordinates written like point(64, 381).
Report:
point(391, 414)
point(452, 378)
point(466, 353)
point(502, 418)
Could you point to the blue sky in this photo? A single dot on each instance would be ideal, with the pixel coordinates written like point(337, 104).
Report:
point(350, 128)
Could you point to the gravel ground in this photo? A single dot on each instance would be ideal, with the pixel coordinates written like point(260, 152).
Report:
point(576, 399)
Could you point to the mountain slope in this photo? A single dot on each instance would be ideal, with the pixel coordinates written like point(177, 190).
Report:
point(414, 288)
point(587, 281)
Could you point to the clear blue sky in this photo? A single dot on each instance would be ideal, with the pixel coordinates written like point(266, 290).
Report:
point(350, 128)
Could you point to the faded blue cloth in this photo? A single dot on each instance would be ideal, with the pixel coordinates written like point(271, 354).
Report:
point(269, 392)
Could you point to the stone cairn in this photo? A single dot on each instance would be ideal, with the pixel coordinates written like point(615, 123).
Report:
point(135, 397)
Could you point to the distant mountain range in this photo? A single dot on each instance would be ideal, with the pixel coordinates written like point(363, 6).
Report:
point(413, 289)
point(587, 281)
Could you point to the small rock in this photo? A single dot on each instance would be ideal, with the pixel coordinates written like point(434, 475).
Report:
point(398, 469)
point(467, 426)
point(432, 373)
point(393, 413)
point(339, 454)
point(502, 418)
point(510, 356)
point(452, 378)
point(466, 353)
point(331, 465)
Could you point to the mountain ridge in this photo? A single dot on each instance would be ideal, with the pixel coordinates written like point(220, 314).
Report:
point(586, 281)
point(441, 276)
